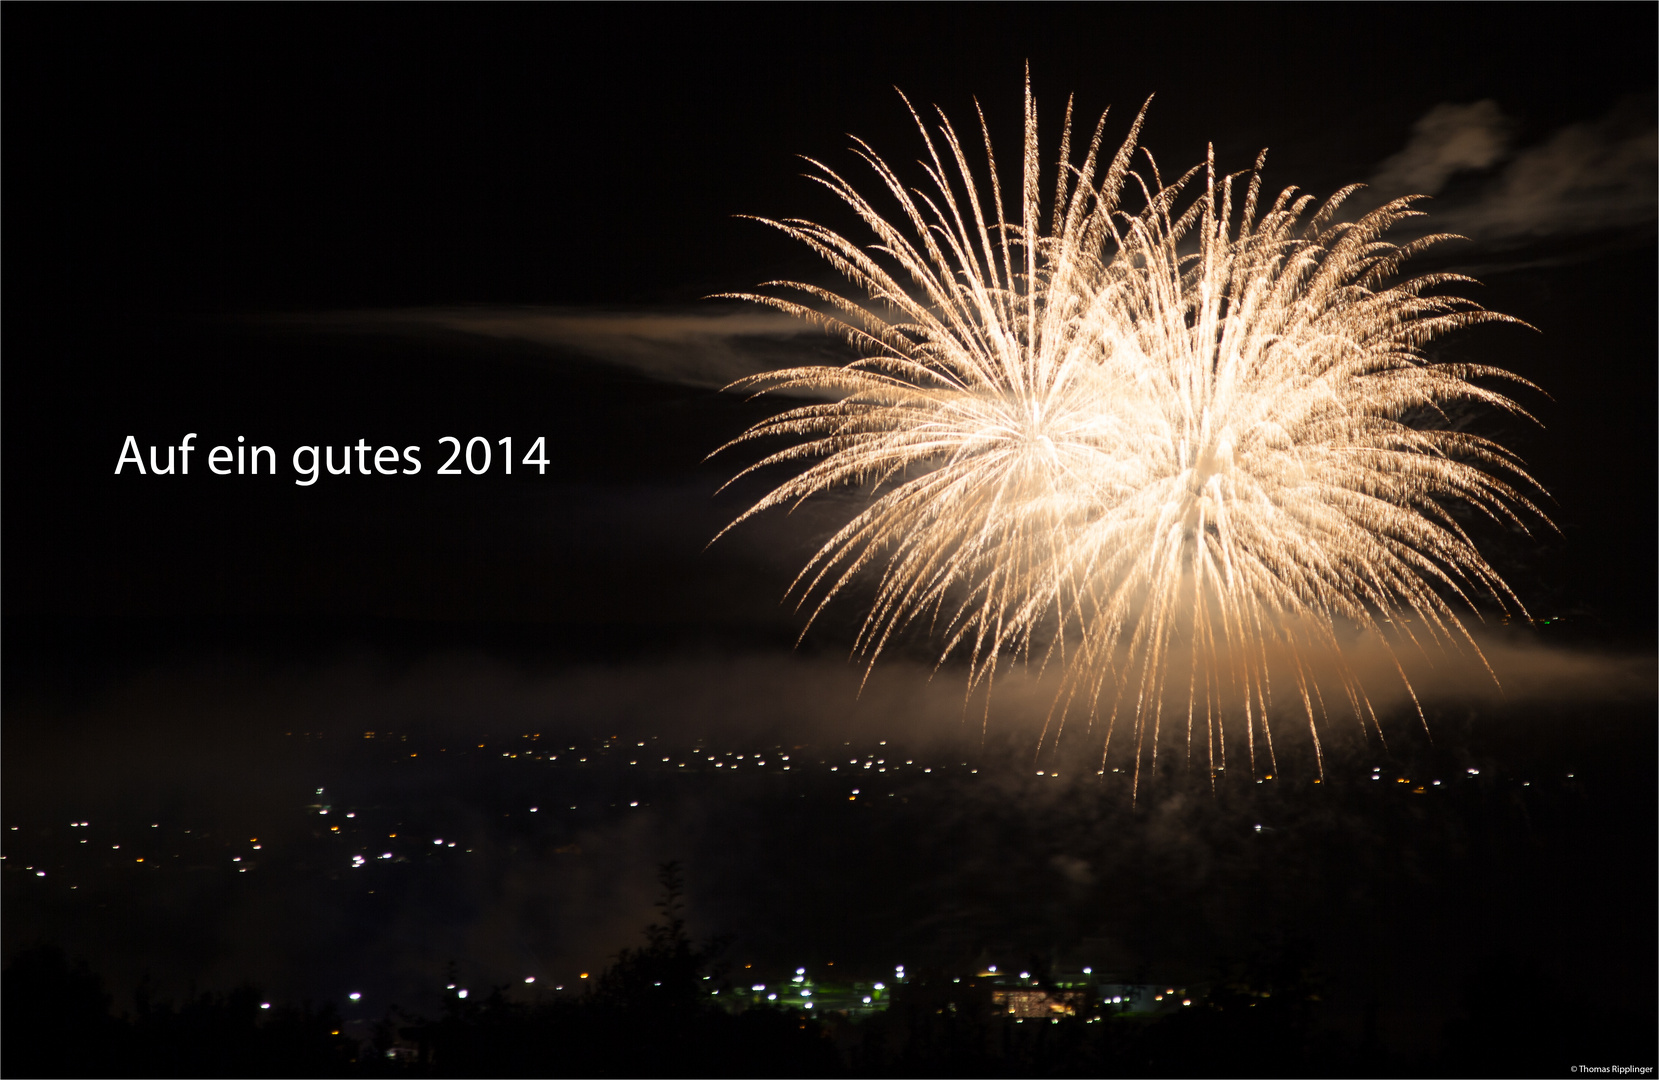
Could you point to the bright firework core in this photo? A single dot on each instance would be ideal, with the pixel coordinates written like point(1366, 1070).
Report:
point(1183, 455)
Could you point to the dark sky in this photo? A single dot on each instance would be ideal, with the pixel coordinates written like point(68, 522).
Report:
point(310, 225)
point(175, 173)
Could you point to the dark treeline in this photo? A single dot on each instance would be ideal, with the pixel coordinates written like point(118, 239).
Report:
point(650, 1014)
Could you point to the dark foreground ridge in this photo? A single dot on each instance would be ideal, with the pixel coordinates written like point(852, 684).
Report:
point(658, 1010)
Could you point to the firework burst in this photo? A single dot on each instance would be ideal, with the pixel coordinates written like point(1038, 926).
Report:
point(1180, 453)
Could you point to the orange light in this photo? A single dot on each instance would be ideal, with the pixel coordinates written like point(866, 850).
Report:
point(584, 974)
point(335, 829)
point(140, 860)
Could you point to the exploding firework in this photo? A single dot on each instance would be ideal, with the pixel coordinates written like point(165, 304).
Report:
point(1181, 455)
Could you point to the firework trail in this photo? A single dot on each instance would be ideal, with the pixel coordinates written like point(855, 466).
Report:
point(1164, 450)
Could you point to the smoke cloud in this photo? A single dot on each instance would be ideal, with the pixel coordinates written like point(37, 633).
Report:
point(709, 349)
point(1588, 177)
point(1448, 139)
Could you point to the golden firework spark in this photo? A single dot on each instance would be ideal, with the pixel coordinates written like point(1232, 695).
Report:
point(1168, 450)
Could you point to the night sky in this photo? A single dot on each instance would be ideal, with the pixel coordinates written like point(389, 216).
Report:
point(317, 225)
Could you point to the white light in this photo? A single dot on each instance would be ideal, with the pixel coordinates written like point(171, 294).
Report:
point(1025, 974)
point(1474, 772)
point(460, 993)
point(881, 986)
point(634, 803)
point(439, 840)
point(529, 978)
point(802, 971)
point(809, 1004)
point(771, 997)
point(866, 1001)
point(992, 969)
point(758, 987)
point(355, 996)
point(264, 1004)
point(533, 809)
point(806, 993)
point(1088, 971)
